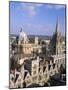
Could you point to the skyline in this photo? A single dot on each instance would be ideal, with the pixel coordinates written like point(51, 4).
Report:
point(36, 18)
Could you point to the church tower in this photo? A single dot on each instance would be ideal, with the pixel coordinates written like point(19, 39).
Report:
point(36, 40)
point(56, 41)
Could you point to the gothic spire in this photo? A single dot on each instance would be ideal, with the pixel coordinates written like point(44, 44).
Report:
point(57, 26)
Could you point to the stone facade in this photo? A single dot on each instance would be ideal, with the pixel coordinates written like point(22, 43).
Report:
point(34, 66)
point(41, 70)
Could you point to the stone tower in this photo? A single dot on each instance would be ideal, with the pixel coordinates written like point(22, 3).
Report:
point(36, 40)
point(56, 41)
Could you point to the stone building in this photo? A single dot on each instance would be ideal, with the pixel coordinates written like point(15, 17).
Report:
point(35, 68)
point(56, 41)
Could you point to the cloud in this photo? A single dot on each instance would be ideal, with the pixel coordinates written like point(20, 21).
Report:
point(31, 8)
point(55, 6)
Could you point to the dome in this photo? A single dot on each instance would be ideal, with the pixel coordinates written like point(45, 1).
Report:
point(23, 36)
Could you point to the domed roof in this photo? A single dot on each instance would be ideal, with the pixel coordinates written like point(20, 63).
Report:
point(23, 36)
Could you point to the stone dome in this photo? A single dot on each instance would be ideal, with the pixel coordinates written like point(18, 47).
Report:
point(23, 37)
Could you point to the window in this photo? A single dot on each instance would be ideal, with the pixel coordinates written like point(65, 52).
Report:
point(34, 72)
point(40, 77)
point(45, 75)
point(52, 61)
point(49, 66)
point(35, 66)
point(53, 66)
point(35, 78)
point(48, 62)
point(29, 81)
point(39, 69)
point(44, 68)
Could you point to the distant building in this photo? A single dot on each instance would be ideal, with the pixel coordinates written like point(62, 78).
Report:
point(36, 40)
point(56, 41)
point(36, 67)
